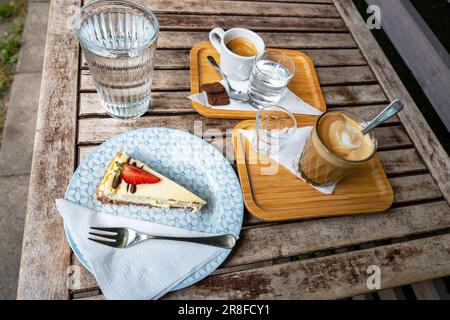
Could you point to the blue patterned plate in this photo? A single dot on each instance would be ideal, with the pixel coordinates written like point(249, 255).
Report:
point(182, 157)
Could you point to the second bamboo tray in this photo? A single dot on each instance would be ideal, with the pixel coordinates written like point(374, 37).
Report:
point(284, 196)
point(304, 84)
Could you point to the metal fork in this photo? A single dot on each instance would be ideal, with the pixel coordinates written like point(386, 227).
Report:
point(127, 237)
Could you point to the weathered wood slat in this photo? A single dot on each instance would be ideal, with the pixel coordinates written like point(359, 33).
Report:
point(309, 236)
point(177, 103)
point(367, 113)
point(350, 95)
point(336, 57)
point(179, 59)
point(395, 162)
point(345, 75)
point(207, 7)
point(401, 161)
point(256, 23)
point(414, 188)
point(432, 152)
point(286, 40)
point(45, 252)
point(330, 277)
point(180, 80)
point(95, 130)
point(162, 103)
point(98, 130)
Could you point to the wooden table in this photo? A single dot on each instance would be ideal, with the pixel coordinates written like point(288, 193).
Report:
point(410, 242)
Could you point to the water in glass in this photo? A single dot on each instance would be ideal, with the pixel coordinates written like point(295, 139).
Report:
point(269, 79)
point(119, 42)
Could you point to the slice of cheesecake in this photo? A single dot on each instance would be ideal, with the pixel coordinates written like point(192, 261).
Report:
point(129, 181)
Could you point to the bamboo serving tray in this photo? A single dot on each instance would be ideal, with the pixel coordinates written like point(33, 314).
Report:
point(284, 196)
point(304, 84)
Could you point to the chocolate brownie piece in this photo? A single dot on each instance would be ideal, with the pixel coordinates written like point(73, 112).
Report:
point(218, 99)
point(213, 88)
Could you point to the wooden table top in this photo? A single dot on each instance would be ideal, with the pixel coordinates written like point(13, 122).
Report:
point(410, 242)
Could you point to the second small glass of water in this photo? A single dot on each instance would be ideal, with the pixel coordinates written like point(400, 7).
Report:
point(274, 127)
point(270, 77)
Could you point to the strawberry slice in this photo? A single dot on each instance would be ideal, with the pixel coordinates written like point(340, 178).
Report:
point(135, 175)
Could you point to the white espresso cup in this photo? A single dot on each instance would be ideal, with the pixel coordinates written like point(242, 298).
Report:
point(234, 66)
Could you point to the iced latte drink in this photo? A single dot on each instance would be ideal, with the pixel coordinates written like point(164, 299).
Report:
point(335, 148)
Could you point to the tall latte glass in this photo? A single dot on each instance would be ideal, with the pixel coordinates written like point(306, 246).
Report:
point(335, 148)
point(119, 41)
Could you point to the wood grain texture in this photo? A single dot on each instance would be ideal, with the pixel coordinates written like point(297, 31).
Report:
point(395, 162)
point(179, 59)
point(434, 155)
point(350, 95)
point(330, 277)
point(256, 23)
point(284, 40)
point(162, 103)
point(98, 130)
point(179, 79)
point(206, 7)
point(45, 252)
point(177, 103)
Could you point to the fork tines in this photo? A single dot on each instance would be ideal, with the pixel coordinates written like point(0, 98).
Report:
point(105, 235)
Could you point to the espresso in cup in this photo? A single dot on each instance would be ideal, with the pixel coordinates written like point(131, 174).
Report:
point(242, 47)
point(237, 48)
point(335, 148)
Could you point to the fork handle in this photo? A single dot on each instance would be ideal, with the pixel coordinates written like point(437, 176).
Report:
point(226, 241)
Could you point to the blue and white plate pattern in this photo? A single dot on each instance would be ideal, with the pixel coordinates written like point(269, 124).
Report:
point(182, 157)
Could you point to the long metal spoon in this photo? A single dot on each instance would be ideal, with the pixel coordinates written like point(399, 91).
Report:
point(391, 110)
point(234, 94)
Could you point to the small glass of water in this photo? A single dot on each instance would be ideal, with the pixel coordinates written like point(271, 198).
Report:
point(119, 42)
point(270, 77)
point(274, 127)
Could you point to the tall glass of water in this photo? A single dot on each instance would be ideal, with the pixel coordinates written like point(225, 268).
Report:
point(119, 42)
point(270, 77)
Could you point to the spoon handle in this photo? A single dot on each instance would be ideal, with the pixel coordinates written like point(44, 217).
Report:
point(215, 65)
point(391, 110)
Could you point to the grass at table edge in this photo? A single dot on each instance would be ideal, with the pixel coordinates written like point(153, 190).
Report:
point(9, 50)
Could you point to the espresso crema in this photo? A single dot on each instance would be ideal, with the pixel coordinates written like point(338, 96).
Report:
point(342, 135)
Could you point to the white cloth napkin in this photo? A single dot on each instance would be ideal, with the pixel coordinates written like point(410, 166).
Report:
point(289, 100)
point(289, 154)
point(147, 270)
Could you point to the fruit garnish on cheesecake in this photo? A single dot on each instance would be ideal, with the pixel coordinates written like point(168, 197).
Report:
point(129, 181)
